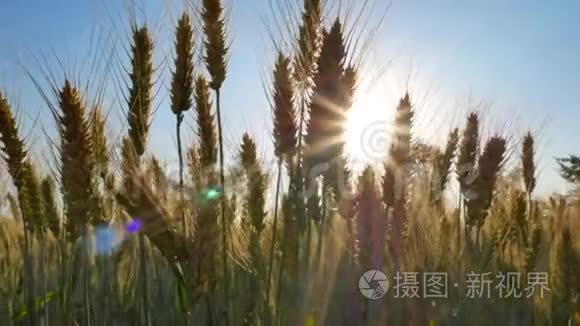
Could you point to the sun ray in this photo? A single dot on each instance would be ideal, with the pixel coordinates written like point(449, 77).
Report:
point(366, 134)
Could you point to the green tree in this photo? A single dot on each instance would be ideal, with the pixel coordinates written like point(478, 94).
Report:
point(570, 168)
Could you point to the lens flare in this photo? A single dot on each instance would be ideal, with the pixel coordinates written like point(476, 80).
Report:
point(105, 240)
point(211, 194)
point(133, 226)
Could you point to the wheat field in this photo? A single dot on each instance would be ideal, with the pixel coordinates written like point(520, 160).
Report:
point(109, 236)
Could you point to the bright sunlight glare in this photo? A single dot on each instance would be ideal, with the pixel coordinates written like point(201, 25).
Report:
point(367, 130)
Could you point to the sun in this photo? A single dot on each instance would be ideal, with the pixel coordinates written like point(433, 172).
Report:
point(366, 131)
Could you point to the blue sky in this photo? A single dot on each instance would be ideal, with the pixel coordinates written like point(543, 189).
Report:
point(523, 57)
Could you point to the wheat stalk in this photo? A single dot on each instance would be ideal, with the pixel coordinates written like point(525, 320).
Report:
point(466, 164)
point(370, 220)
point(49, 204)
point(337, 176)
point(201, 162)
point(325, 124)
point(443, 163)
point(308, 44)
point(254, 207)
point(100, 144)
point(16, 161)
point(182, 90)
point(324, 145)
point(206, 130)
point(82, 203)
point(489, 165)
point(15, 153)
point(158, 178)
point(215, 59)
point(564, 277)
point(528, 164)
point(397, 173)
point(141, 78)
point(468, 149)
point(283, 111)
point(205, 242)
point(255, 184)
point(32, 186)
point(77, 162)
point(194, 167)
point(138, 116)
point(284, 140)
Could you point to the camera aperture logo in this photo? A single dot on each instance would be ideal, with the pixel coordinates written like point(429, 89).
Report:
point(373, 284)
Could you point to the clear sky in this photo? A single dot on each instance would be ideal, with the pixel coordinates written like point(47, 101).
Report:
point(523, 57)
